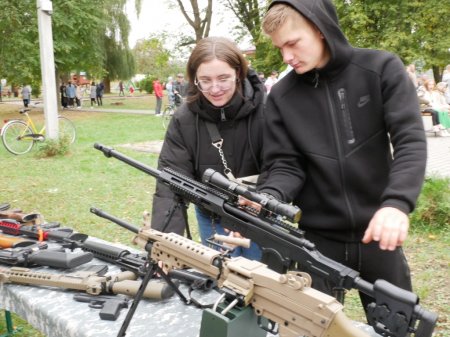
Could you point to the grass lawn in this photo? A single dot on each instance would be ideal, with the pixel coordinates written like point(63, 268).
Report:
point(64, 188)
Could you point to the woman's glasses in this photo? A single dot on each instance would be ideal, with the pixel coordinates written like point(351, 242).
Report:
point(223, 84)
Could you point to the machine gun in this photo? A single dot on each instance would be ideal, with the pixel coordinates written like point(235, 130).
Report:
point(395, 312)
point(126, 260)
point(35, 253)
point(286, 299)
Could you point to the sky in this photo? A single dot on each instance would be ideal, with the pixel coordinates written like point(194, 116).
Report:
point(156, 17)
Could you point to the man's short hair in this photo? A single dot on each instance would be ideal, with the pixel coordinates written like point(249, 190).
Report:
point(276, 16)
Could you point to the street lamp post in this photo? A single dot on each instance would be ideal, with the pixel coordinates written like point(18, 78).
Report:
point(44, 14)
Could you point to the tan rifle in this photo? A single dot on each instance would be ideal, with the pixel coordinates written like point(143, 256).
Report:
point(87, 281)
point(286, 299)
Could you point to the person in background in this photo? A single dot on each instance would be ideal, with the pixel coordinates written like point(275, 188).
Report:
point(428, 100)
point(271, 81)
point(262, 77)
point(71, 91)
point(26, 95)
point(224, 96)
point(446, 79)
point(78, 95)
point(169, 89)
point(158, 90)
point(93, 94)
point(411, 70)
point(179, 89)
point(330, 125)
point(121, 92)
point(63, 93)
point(99, 93)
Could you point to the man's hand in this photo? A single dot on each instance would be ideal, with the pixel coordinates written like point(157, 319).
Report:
point(389, 226)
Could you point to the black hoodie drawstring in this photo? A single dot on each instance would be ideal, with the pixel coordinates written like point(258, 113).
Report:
point(316, 79)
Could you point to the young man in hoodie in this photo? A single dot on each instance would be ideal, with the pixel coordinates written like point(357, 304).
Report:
point(329, 128)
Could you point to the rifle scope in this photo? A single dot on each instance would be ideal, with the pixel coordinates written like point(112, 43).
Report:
point(290, 212)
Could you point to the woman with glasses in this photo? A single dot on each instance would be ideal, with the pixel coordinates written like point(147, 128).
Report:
point(224, 101)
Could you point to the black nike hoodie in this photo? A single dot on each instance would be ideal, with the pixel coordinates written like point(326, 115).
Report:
point(328, 134)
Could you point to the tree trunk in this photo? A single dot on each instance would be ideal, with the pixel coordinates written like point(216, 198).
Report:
point(436, 74)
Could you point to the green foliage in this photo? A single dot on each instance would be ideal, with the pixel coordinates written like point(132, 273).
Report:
point(432, 212)
point(417, 31)
point(147, 84)
point(81, 31)
point(151, 57)
point(54, 147)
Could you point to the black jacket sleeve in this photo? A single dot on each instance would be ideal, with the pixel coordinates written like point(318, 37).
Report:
point(175, 155)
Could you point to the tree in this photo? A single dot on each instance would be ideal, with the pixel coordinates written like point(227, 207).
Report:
point(201, 25)
point(415, 30)
point(85, 34)
point(151, 57)
point(250, 14)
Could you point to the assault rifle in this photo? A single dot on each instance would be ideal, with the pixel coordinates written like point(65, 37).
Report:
point(395, 312)
point(286, 299)
point(13, 227)
point(39, 254)
point(91, 281)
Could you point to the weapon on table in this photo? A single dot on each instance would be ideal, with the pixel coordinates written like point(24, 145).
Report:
point(110, 305)
point(28, 218)
point(286, 299)
point(9, 242)
point(13, 227)
point(395, 312)
point(39, 254)
point(89, 281)
point(4, 206)
point(126, 260)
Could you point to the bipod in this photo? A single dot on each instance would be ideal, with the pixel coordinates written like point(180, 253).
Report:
point(152, 270)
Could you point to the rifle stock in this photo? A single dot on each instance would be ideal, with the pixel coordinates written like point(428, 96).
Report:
point(39, 254)
point(284, 246)
point(9, 242)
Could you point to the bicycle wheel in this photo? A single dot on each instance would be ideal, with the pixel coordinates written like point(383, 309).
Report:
point(67, 129)
point(14, 137)
point(167, 115)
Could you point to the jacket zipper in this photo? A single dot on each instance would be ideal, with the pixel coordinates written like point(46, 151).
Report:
point(340, 155)
point(346, 116)
point(223, 118)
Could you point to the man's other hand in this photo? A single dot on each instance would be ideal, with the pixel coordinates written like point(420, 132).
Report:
point(389, 226)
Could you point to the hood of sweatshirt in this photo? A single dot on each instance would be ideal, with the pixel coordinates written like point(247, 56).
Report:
point(322, 13)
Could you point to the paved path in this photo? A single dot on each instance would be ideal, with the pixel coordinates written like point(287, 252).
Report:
point(438, 162)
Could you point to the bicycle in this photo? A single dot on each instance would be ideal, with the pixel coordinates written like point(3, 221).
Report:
point(169, 110)
point(19, 136)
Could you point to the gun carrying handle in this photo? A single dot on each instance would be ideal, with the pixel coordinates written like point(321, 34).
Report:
point(341, 325)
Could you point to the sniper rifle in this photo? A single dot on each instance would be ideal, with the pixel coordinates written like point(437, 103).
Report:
point(395, 312)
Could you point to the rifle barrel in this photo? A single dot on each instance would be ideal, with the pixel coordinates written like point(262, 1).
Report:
point(118, 221)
